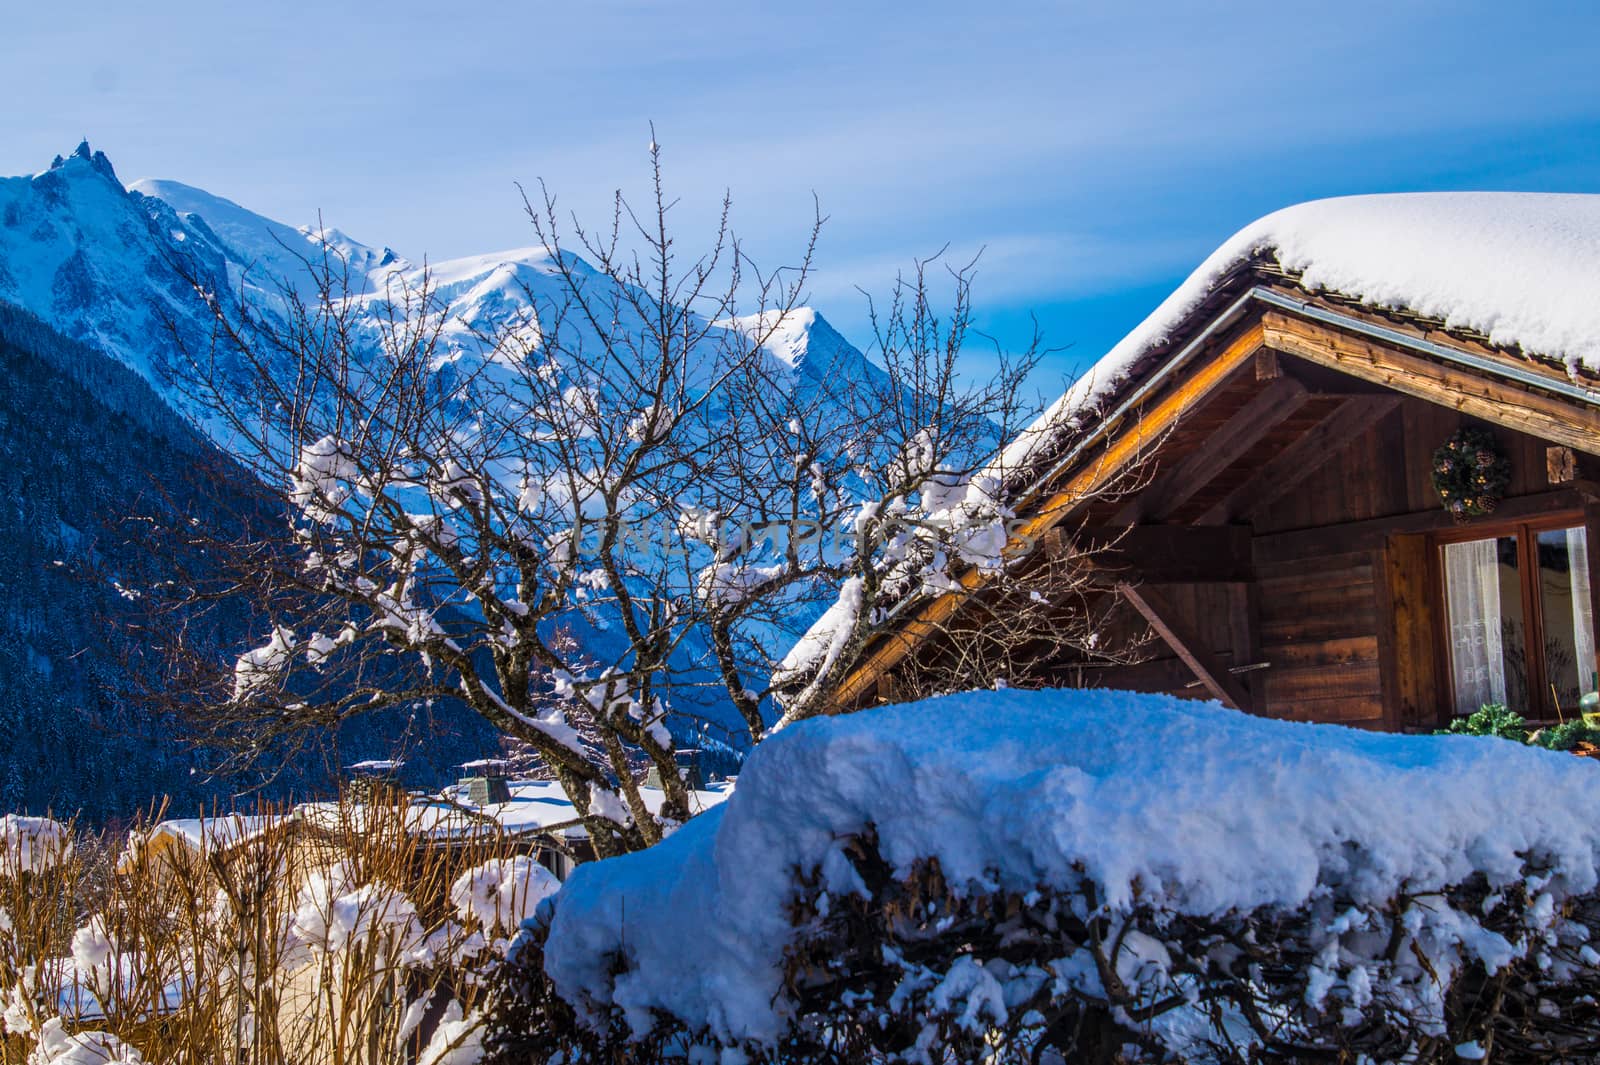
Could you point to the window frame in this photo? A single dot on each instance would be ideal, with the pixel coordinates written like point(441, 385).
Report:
point(1526, 531)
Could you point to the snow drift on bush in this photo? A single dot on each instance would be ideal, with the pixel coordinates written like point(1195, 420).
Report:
point(502, 893)
point(1151, 801)
point(59, 1047)
point(31, 844)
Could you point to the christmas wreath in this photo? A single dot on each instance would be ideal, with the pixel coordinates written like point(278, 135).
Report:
point(1470, 473)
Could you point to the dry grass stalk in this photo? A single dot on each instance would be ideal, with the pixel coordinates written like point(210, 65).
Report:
point(336, 933)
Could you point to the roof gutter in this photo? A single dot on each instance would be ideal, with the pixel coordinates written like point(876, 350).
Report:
point(1445, 352)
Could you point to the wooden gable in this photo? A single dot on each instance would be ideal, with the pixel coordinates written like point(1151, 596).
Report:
point(1280, 543)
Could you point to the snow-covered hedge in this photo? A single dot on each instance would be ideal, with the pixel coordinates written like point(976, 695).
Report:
point(1111, 877)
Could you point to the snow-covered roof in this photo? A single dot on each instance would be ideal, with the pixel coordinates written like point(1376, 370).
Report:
point(539, 805)
point(536, 806)
point(200, 836)
point(222, 831)
point(31, 844)
point(1520, 268)
point(1152, 800)
point(376, 765)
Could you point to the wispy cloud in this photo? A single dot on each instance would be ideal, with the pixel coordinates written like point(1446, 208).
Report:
point(1091, 149)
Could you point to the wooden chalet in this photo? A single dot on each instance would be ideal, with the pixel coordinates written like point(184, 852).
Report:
point(1284, 549)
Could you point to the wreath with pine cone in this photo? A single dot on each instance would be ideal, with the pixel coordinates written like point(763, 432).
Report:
point(1470, 473)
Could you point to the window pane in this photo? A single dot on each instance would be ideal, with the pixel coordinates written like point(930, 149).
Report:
point(1568, 616)
point(1483, 596)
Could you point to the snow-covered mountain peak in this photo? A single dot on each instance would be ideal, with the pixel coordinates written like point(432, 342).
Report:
point(118, 268)
point(513, 267)
point(83, 155)
point(808, 344)
point(99, 263)
point(266, 253)
point(790, 336)
point(140, 272)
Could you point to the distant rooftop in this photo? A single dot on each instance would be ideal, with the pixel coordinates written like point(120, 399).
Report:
point(376, 765)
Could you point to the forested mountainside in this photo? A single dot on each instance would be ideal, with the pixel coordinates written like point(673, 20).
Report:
point(84, 443)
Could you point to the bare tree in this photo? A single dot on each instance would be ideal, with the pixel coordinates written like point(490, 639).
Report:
point(585, 520)
point(936, 518)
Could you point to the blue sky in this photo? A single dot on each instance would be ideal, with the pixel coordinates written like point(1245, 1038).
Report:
point(1097, 152)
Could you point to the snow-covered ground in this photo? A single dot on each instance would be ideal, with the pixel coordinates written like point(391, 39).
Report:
point(536, 807)
point(334, 918)
point(1158, 802)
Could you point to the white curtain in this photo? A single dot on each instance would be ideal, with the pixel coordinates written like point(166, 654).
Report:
point(1472, 596)
point(1582, 607)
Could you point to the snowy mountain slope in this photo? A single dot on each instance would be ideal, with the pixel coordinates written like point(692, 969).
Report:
point(820, 360)
point(84, 443)
point(111, 267)
point(262, 253)
point(97, 262)
point(475, 294)
point(106, 265)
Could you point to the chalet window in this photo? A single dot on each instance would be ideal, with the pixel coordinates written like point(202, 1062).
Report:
point(1519, 619)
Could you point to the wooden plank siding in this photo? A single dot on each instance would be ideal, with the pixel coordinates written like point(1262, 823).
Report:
point(1591, 522)
point(1386, 472)
point(1319, 630)
point(1407, 634)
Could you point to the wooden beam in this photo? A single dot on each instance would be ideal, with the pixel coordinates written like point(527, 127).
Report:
point(1134, 443)
point(1291, 466)
point(1267, 367)
point(1591, 532)
point(1096, 471)
point(1265, 410)
point(1407, 655)
point(1164, 554)
point(1217, 681)
point(1369, 534)
point(1244, 631)
point(1559, 421)
point(1165, 674)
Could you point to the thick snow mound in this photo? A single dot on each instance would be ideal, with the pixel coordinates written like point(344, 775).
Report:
point(32, 844)
point(59, 1047)
point(1176, 804)
point(1520, 268)
point(502, 893)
